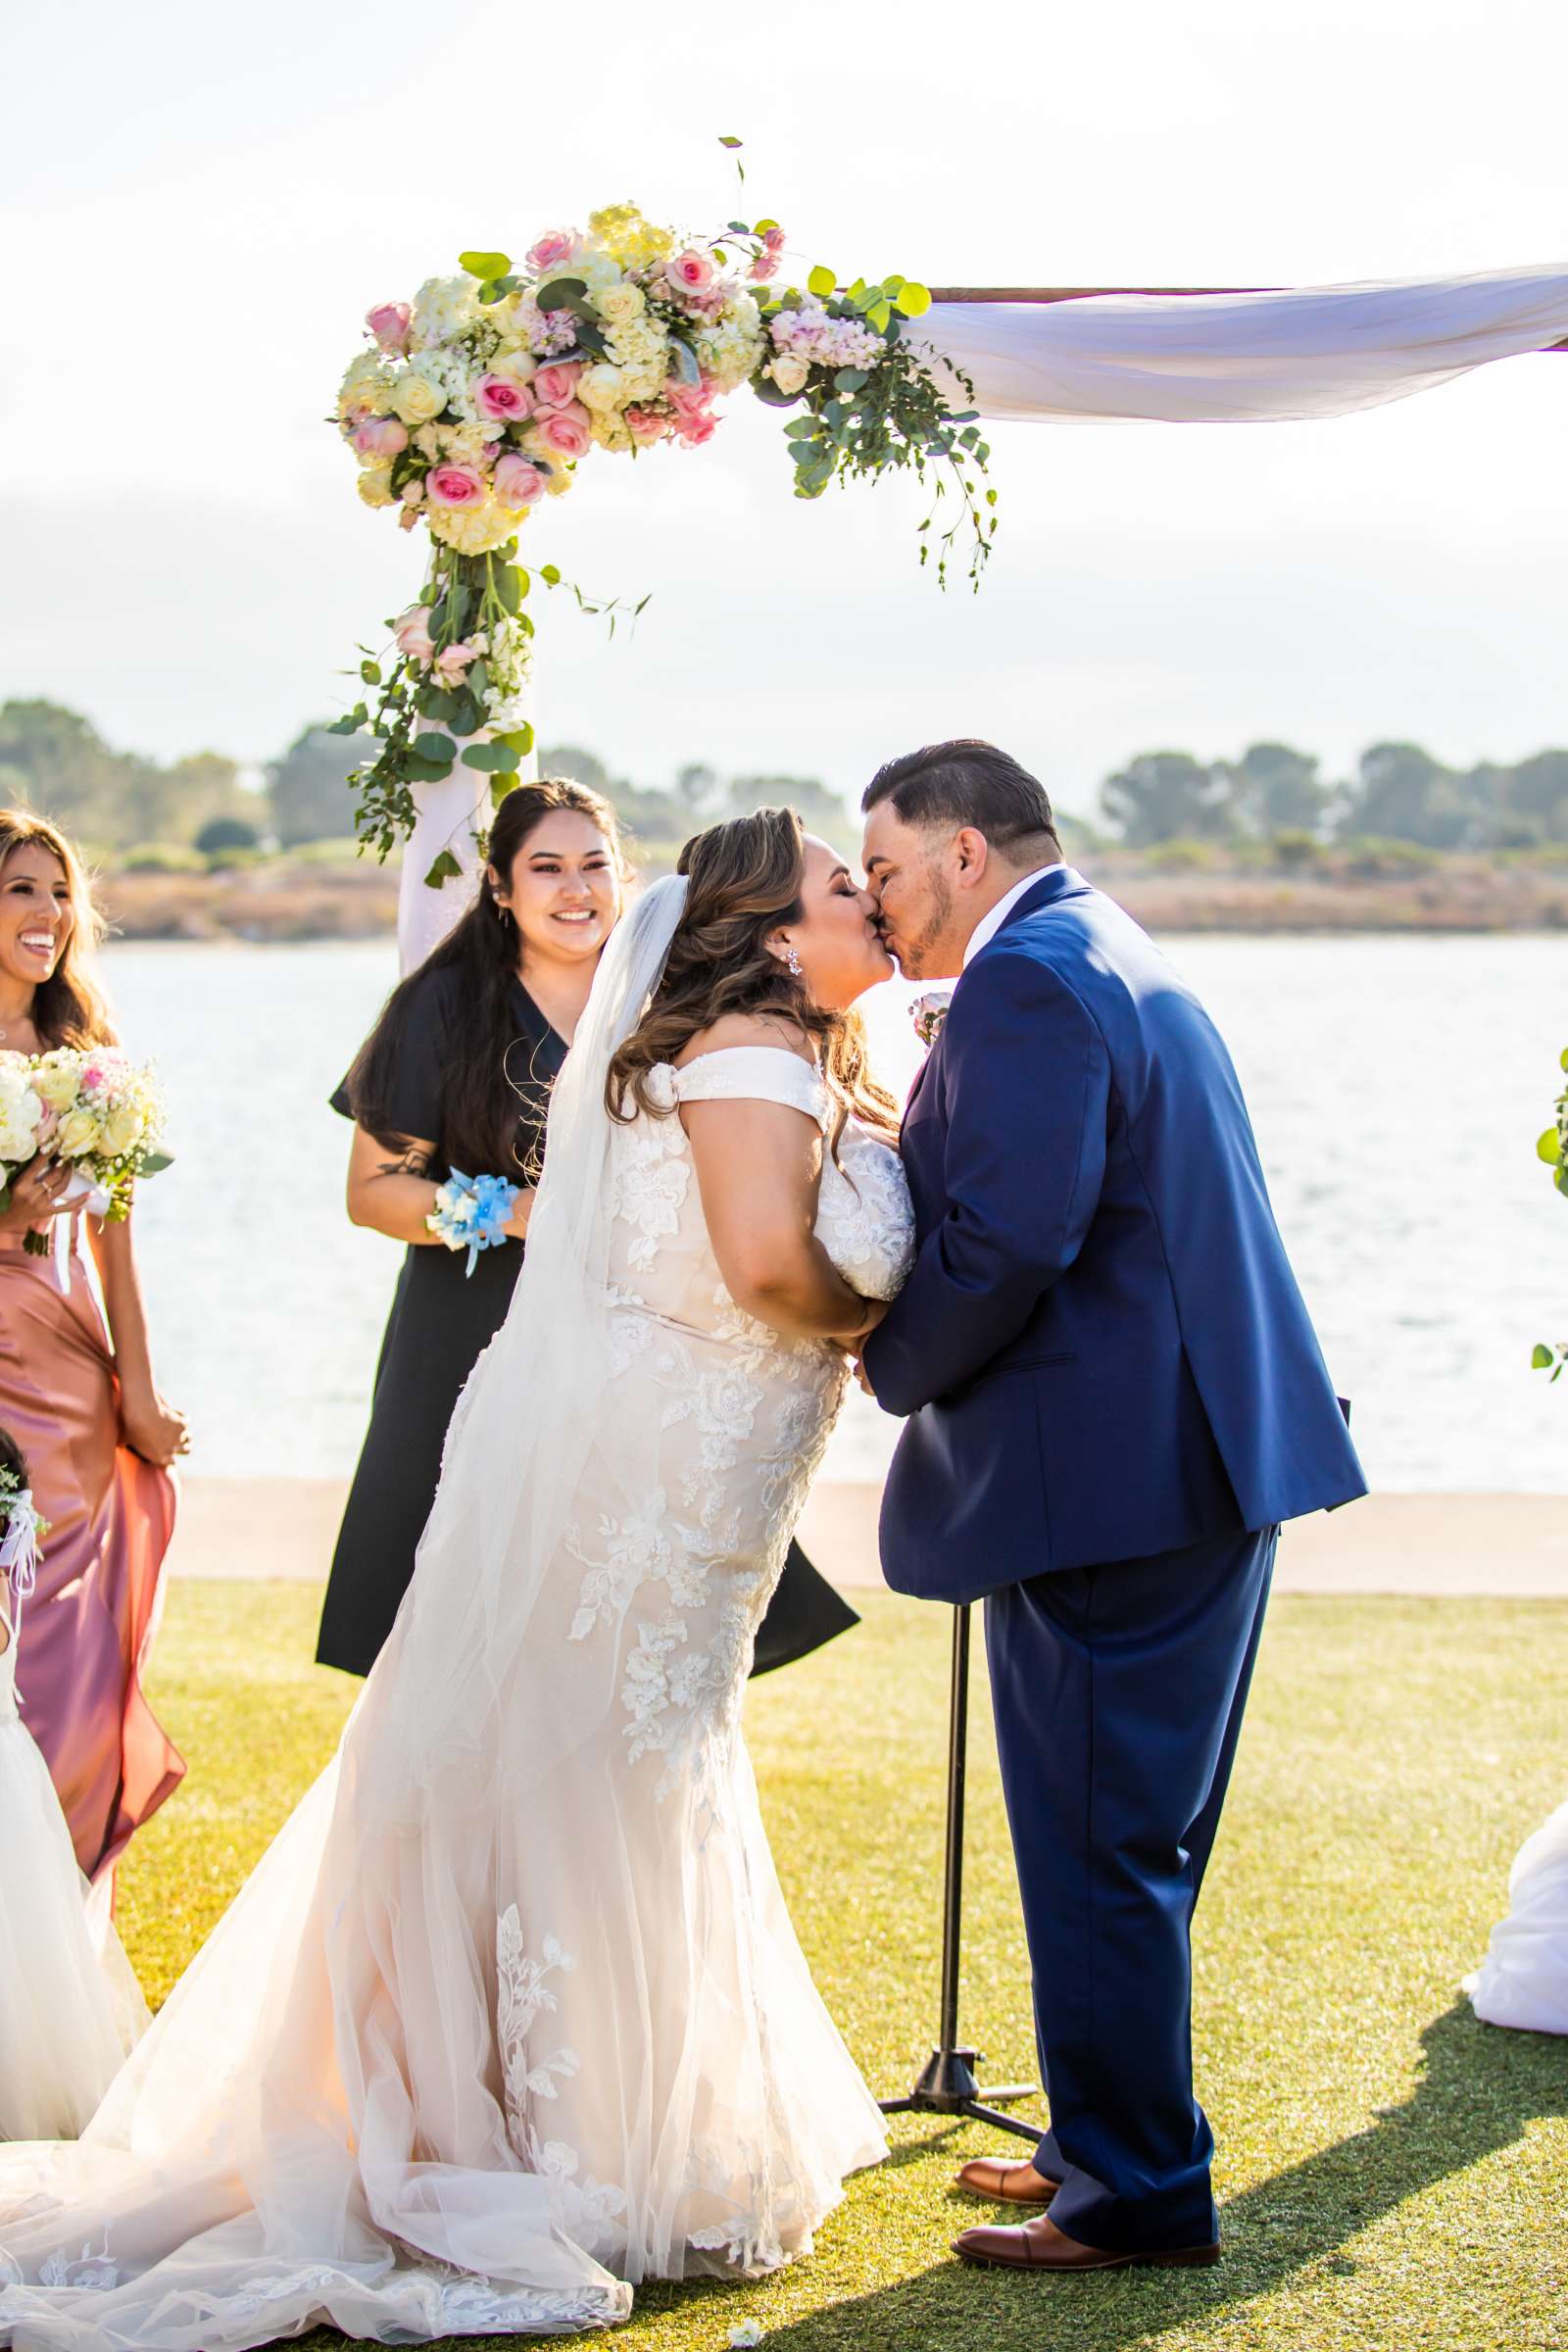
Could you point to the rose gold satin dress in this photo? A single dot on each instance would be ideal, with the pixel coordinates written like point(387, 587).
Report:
point(86, 1631)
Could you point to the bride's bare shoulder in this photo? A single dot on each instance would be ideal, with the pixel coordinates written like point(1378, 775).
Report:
point(773, 1029)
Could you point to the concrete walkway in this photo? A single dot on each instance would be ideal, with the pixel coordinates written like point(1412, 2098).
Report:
point(1500, 1545)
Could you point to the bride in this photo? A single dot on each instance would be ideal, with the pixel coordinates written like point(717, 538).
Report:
point(512, 2015)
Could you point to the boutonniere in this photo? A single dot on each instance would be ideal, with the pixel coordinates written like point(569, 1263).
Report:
point(929, 1013)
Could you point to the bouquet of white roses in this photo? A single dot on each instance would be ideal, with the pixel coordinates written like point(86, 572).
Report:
point(481, 397)
point(90, 1107)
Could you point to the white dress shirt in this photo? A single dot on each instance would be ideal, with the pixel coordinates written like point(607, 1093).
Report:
point(989, 925)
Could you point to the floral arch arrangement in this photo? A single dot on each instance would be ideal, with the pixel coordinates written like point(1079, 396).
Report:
point(477, 402)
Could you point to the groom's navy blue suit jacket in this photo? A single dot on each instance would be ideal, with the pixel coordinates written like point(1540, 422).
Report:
point(1102, 1347)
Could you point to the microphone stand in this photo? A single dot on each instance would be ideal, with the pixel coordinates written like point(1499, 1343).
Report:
point(947, 2085)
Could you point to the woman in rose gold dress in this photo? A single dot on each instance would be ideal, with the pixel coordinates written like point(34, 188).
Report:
point(82, 1403)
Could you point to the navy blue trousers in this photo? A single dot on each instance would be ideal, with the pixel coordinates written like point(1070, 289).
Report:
point(1118, 1694)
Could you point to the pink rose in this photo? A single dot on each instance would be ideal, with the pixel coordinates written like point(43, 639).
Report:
point(690, 400)
point(697, 428)
point(773, 242)
point(454, 486)
point(452, 660)
point(412, 633)
point(763, 268)
point(556, 246)
point(504, 396)
point(389, 323)
point(380, 438)
point(565, 432)
point(647, 425)
point(517, 483)
point(692, 271)
point(553, 386)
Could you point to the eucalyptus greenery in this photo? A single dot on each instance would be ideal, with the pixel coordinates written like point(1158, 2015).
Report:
point(857, 424)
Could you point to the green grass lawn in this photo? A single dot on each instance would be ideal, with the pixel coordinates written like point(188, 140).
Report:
point(1392, 2174)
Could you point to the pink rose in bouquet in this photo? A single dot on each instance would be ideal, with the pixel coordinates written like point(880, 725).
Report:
point(454, 486)
point(380, 439)
point(518, 480)
point(453, 660)
point(389, 323)
point(556, 246)
point(691, 272)
point(555, 386)
point(502, 397)
point(412, 633)
point(564, 432)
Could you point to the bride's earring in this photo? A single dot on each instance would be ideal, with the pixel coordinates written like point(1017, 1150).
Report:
point(791, 964)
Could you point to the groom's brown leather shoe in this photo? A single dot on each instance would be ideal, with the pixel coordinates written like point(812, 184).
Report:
point(1039, 2245)
point(1004, 2183)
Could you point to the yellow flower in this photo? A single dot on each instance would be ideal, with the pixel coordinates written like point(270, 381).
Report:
point(559, 482)
point(375, 487)
point(611, 431)
point(635, 242)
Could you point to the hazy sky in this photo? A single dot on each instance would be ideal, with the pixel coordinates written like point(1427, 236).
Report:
point(202, 202)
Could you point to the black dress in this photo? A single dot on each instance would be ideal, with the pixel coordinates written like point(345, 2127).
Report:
point(441, 1321)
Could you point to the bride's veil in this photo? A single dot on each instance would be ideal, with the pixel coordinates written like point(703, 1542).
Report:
point(534, 1408)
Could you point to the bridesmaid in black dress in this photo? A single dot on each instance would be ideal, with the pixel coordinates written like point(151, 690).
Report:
point(456, 1073)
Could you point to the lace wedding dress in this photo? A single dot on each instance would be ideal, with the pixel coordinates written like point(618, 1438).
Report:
point(512, 2015)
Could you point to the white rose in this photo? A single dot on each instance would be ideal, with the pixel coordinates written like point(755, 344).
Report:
point(617, 305)
point(55, 1083)
point(375, 486)
point(75, 1134)
point(416, 398)
point(788, 373)
point(600, 387)
point(517, 366)
point(121, 1129)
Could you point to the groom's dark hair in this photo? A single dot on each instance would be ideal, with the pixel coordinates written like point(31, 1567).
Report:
point(967, 782)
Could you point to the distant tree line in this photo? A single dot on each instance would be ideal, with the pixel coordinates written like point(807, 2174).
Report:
point(54, 760)
point(1398, 793)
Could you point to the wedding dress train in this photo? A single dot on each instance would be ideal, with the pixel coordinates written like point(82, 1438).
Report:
point(512, 2015)
point(1523, 1980)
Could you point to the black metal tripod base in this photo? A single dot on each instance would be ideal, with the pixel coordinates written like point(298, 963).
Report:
point(947, 2086)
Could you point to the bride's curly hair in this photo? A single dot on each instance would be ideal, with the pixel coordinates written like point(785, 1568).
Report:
point(744, 882)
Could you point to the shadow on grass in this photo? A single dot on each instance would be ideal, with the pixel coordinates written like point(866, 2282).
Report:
point(1479, 2088)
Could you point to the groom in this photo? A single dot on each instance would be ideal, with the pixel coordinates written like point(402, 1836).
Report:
point(1114, 1395)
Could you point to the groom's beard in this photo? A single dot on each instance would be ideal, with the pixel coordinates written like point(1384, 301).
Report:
point(915, 956)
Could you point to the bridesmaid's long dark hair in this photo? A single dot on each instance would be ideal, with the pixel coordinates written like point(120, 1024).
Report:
point(478, 1119)
point(68, 1008)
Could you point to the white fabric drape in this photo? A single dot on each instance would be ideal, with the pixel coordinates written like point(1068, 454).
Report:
point(450, 817)
point(1244, 359)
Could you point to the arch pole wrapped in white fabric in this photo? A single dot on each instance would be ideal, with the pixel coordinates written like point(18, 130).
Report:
point(452, 814)
point(1244, 358)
